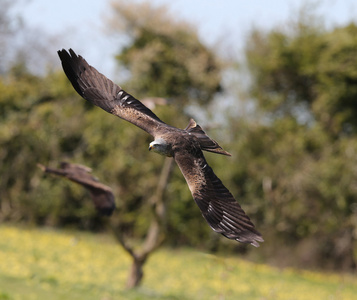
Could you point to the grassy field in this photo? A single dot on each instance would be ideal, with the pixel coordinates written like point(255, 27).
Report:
point(48, 264)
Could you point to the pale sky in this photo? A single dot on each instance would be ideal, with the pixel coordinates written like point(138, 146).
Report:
point(79, 24)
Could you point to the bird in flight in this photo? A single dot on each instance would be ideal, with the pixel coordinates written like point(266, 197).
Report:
point(217, 204)
point(101, 194)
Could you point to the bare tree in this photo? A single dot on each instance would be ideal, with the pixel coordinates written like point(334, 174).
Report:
point(104, 202)
point(156, 231)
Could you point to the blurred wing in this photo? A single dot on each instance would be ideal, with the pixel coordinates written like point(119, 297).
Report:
point(218, 207)
point(101, 194)
point(101, 91)
point(74, 167)
point(103, 199)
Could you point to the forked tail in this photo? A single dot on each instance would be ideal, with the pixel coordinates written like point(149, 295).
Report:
point(206, 142)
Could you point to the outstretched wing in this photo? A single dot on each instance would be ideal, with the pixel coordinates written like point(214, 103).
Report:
point(101, 91)
point(101, 194)
point(217, 204)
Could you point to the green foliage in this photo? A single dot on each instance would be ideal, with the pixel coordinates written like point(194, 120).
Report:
point(35, 128)
point(307, 71)
point(165, 57)
point(302, 158)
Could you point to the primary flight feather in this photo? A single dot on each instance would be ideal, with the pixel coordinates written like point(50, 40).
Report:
point(217, 204)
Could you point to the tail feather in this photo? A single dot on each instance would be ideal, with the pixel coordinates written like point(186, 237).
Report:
point(206, 142)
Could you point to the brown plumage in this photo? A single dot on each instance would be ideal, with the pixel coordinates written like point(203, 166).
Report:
point(101, 194)
point(218, 206)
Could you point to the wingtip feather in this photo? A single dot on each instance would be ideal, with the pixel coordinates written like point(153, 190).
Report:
point(252, 238)
point(255, 242)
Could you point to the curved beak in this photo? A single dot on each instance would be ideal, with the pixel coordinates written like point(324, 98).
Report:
point(150, 147)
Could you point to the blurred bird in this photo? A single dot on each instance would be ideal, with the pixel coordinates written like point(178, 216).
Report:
point(217, 204)
point(101, 194)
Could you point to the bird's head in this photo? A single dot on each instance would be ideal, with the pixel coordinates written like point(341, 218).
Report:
point(160, 146)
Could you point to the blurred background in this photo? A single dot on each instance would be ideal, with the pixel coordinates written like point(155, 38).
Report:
point(274, 82)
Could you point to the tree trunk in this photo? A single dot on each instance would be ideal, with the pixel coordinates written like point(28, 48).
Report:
point(136, 272)
point(156, 232)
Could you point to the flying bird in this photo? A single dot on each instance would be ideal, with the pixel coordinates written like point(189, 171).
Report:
point(101, 194)
point(217, 204)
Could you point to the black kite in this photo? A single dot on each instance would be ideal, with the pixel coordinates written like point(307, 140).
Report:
point(218, 206)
